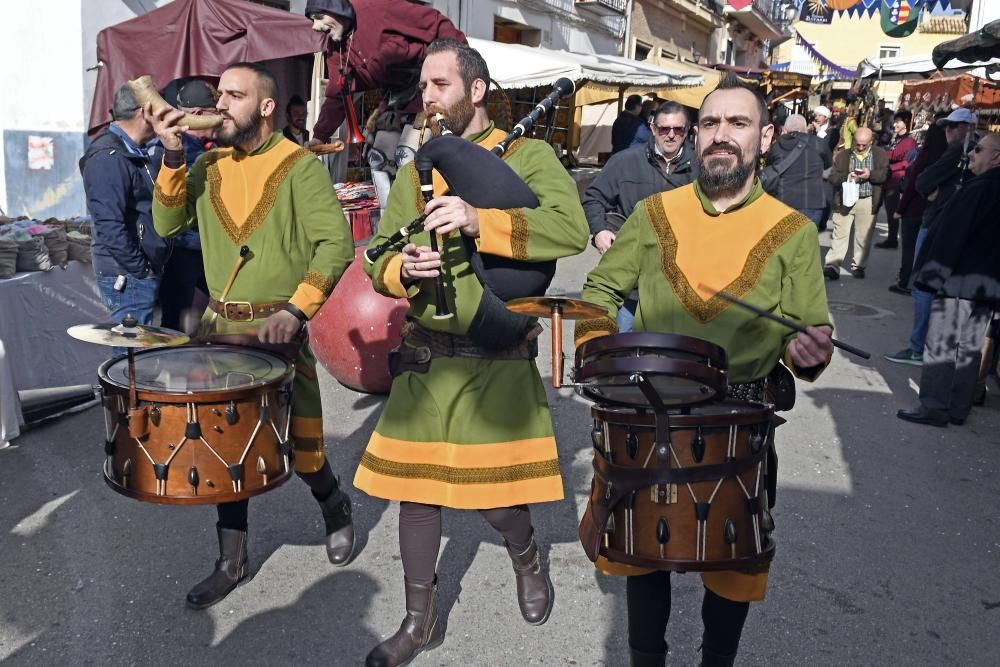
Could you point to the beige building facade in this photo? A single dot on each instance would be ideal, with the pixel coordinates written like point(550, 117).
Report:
point(848, 40)
point(665, 30)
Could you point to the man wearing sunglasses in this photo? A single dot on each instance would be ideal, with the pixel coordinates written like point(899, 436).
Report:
point(959, 265)
point(630, 176)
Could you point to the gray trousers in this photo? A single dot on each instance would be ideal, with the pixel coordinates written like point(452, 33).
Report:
point(952, 355)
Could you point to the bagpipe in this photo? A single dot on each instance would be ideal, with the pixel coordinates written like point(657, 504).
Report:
point(483, 180)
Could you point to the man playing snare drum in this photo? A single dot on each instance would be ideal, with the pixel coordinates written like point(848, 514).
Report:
point(267, 193)
point(720, 233)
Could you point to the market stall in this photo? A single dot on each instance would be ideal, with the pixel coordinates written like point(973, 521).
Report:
point(925, 98)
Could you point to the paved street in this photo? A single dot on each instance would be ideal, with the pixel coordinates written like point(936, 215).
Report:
point(888, 542)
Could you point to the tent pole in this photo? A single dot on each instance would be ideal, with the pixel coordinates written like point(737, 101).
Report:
point(317, 89)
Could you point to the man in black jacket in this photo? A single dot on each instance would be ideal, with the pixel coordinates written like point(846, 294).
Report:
point(128, 254)
point(794, 173)
point(624, 127)
point(629, 177)
point(960, 265)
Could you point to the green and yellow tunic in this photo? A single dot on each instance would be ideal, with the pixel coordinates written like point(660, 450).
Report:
point(678, 251)
point(472, 433)
point(279, 201)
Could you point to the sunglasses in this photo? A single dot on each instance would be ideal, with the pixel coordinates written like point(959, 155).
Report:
point(980, 148)
point(667, 130)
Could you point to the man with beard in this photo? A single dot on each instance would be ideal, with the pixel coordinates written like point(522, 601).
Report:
point(375, 44)
point(632, 175)
point(268, 193)
point(720, 232)
point(467, 424)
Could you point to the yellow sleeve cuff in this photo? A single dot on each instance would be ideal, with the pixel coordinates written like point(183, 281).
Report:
point(497, 230)
point(392, 279)
point(308, 299)
point(171, 187)
point(591, 329)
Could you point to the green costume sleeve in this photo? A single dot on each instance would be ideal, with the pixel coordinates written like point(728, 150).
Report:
point(319, 214)
point(174, 197)
point(400, 210)
point(803, 294)
point(615, 276)
point(557, 228)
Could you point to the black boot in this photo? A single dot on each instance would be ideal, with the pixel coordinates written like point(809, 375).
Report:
point(710, 658)
point(230, 570)
point(534, 589)
point(339, 527)
point(420, 630)
point(643, 659)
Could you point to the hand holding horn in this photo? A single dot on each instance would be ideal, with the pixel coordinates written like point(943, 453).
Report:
point(145, 94)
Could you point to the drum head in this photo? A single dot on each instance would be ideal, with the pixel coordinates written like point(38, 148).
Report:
point(197, 369)
point(683, 370)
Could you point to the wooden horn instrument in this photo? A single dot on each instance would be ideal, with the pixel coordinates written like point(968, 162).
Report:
point(145, 93)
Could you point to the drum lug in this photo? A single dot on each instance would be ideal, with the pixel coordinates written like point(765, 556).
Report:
point(698, 446)
point(154, 415)
point(231, 415)
point(126, 472)
point(631, 444)
point(597, 436)
point(729, 536)
point(193, 478)
point(662, 531)
point(767, 521)
point(262, 469)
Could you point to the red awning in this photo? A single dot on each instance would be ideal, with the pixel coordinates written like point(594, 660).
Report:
point(194, 38)
point(941, 93)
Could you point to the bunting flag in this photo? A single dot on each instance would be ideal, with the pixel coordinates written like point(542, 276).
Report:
point(826, 66)
point(812, 11)
point(900, 17)
point(815, 11)
point(739, 4)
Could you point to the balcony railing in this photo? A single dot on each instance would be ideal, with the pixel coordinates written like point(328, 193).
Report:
point(604, 7)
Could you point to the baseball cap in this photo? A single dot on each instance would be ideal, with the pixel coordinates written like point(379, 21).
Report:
point(196, 93)
point(960, 115)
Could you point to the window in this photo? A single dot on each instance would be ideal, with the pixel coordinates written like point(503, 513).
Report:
point(511, 32)
point(888, 51)
point(666, 54)
point(642, 50)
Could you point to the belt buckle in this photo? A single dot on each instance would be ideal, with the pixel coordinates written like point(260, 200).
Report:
point(234, 316)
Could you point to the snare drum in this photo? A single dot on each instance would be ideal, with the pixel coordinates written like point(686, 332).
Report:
point(212, 424)
point(694, 501)
point(682, 370)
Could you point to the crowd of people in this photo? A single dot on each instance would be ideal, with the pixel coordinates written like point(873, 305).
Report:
point(717, 195)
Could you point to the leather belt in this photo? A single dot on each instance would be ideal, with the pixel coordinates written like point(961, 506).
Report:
point(440, 344)
point(244, 311)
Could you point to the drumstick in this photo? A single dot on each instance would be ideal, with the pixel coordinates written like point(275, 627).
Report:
point(795, 326)
point(240, 261)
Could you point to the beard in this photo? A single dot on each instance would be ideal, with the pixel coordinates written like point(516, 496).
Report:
point(457, 118)
point(241, 133)
point(717, 179)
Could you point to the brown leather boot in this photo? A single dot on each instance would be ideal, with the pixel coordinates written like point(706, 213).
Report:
point(339, 527)
point(230, 570)
point(534, 589)
point(420, 630)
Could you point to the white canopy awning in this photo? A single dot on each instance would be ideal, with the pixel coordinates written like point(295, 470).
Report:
point(519, 66)
point(916, 67)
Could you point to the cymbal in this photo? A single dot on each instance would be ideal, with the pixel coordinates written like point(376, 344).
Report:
point(117, 335)
point(542, 306)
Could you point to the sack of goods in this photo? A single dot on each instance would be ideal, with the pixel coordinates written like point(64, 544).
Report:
point(8, 257)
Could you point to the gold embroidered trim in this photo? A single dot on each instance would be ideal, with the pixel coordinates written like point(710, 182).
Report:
point(379, 280)
point(518, 233)
point(415, 179)
point(264, 204)
point(451, 475)
point(515, 145)
point(319, 281)
point(753, 268)
point(602, 324)
point(169, 201)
